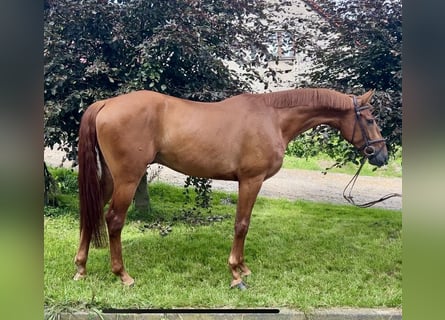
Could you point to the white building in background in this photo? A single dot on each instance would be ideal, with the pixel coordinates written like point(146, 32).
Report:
point(290, 62)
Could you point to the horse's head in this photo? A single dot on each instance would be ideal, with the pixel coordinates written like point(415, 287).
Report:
point(363, 132)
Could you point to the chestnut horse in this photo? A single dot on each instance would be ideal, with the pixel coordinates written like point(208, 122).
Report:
point(242, 138)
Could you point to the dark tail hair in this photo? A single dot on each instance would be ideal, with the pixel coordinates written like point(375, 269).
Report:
point(90, 193)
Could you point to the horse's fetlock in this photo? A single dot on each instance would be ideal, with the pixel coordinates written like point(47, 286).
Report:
point(80, 260)
point(117, 269)
point(234, 262)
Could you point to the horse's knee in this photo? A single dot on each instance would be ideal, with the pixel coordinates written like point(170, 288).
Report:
point(241, 228)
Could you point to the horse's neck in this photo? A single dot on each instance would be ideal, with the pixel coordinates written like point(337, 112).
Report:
point(296, 120)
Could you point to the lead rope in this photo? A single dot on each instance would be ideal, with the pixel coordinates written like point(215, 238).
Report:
point(350, 199)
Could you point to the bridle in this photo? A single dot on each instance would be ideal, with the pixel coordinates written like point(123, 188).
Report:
point(367, 147)
point(368, 151)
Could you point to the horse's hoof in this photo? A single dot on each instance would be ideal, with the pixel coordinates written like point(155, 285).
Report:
point(128, 283)
point(241, 286)
point(78, 276)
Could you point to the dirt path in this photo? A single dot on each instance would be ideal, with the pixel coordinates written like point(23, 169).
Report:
point(293, 184)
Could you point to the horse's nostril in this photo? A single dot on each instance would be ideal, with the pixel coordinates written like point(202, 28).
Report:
point(369, 151)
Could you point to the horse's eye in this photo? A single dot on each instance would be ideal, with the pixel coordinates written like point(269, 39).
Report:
point(370, 121)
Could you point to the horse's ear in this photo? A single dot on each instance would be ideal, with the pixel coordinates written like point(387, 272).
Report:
point(366, 97)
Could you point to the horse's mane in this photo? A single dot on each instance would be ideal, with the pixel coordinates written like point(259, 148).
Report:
point(307, 97)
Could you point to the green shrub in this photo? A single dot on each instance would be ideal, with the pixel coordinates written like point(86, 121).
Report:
point(66, 180)
point(62, 196)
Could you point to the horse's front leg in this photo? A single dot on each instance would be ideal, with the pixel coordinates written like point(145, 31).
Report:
point(248, 191)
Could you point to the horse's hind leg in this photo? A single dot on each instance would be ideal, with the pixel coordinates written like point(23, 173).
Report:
point(115, 217)
point(81, 258)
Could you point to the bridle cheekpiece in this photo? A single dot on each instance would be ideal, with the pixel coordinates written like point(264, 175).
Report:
point(367, 147)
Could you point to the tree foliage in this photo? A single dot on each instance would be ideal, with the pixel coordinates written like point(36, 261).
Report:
point(359, 48)
point(96, 49)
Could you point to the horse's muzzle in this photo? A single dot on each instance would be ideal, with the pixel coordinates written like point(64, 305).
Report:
point(376, 158)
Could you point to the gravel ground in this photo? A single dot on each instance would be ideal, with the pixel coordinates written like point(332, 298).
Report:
point(291, 184)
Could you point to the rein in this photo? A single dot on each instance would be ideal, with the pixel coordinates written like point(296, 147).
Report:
point(368, 150)
point(351, 183)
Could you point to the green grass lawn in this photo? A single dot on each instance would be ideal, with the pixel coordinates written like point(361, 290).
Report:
point(302, 255)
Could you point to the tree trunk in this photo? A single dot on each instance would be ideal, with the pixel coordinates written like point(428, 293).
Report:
point(141, 197)
point(47, 176)
point(49, 194)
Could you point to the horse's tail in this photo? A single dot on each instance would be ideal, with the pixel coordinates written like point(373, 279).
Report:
point(90, 193)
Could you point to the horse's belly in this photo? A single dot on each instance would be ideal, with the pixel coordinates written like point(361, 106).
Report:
point(201, 167)
point(223, 165)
